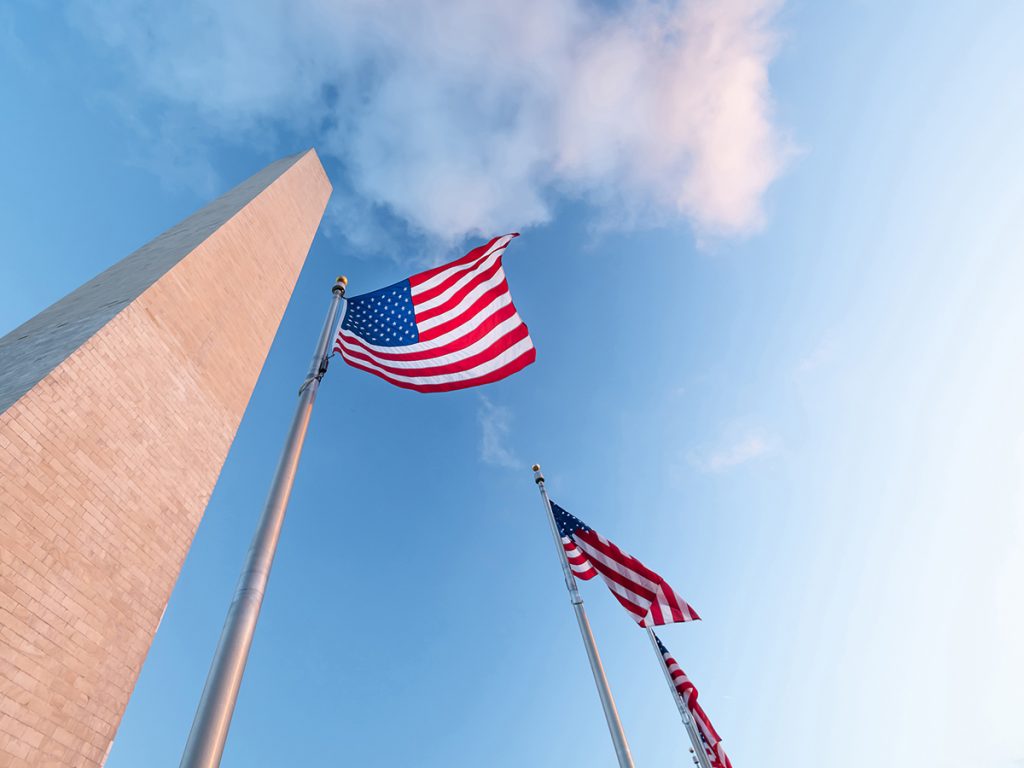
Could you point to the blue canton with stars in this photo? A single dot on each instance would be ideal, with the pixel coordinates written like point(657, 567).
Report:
point(661, 645)
point(567, 524)
point(384, 317)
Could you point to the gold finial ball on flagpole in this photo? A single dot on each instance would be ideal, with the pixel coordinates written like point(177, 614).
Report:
point(342, 279)
point(536, 467)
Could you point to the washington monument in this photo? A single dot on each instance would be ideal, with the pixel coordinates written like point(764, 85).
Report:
point(117, 408)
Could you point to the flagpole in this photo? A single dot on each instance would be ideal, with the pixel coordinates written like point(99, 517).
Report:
point(213, 715)
point(700, 755)
point(611, 714)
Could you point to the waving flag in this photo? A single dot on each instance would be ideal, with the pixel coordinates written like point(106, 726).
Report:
point(648, 597)
point(447, 328)
point(709, 736)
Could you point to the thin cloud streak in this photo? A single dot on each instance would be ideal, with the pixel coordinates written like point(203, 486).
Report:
point(495, 425)
point(469, 117)
point(821, 355)
point(749, 447)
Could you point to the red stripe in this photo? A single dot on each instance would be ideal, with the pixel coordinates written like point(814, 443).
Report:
point(428, 353)
point(620, 557)
point(626, 560)
point(686, 688)
point(681, 610)
point(585, 572)
point(678, 608)
point(632, 586)
point(429, 293)
point(638, 609)
point(709, 730)
point(477, 306)
point(496, 375)
point(578, 559)
point(632, 607)
point(709, 735)
point(489, 353)
point(473, 255)
point(688, 692)
point(453, 301)
point(583, 568)
point(585, 575)
point(649, 605)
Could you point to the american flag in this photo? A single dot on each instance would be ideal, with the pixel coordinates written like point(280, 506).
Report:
point(648, 597)
point(688, 691)
point(450, 327)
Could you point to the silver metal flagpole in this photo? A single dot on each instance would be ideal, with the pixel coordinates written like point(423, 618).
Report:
point(700, 755)
point(611, 714)
point(213, 715)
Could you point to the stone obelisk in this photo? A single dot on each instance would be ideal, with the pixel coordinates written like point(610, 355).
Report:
point(117, 408)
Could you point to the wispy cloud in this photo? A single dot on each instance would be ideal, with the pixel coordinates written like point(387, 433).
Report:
point(816, 358)
point(466, 116)
point(750, 446)
point(12, 46)
point(495, 424)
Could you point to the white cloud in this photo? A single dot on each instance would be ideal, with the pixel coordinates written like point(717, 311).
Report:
point(495, 423)
point(749, 447)
point(472, 117)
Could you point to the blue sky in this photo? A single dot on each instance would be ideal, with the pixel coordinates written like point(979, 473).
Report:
point(779, 361)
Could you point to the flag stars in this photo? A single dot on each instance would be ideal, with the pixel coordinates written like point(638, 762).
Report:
point(384, 318)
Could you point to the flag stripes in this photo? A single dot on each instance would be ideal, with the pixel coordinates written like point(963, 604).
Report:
point(688, 692)
point(578, 562)
point(449, 327)
point(679, 678)
point(643, 593)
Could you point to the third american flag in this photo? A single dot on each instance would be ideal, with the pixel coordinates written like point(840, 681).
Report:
point(688, 693)
point(447, 328)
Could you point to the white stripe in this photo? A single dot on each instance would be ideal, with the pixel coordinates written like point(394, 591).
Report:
point(575, 553)
point(601, 557)
point(496, 279)
point(440, 277)
point(341, 316)
point(512, 353)
point(499, 331)
point(441, 298)
point(666, 613)
point(578, 568)
point(705, 730)
point(666, 610)
point(445, 338)
point(669, 600)
point(687, 613)
point(634, 599)
point(572, 550)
